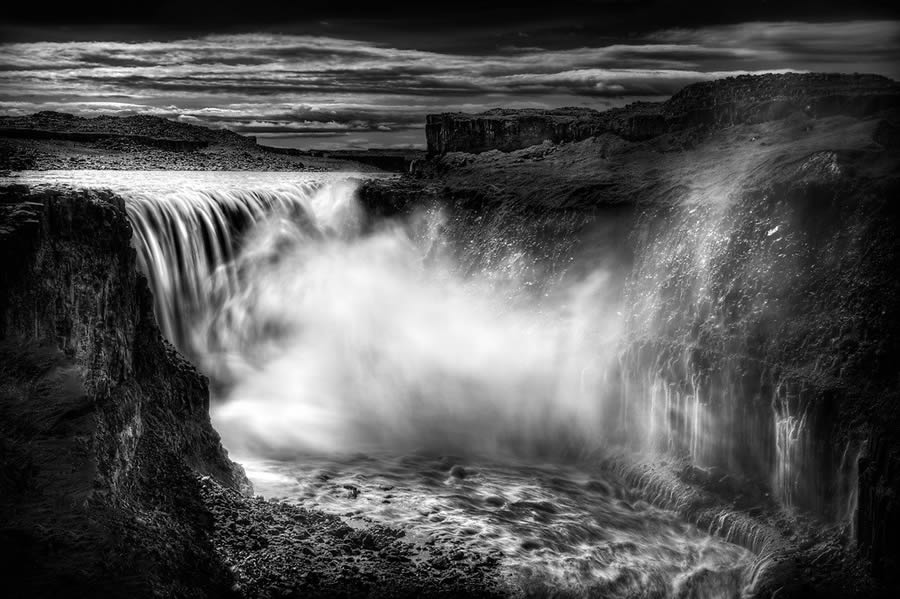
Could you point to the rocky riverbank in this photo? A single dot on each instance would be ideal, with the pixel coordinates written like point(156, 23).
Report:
point(276, 549)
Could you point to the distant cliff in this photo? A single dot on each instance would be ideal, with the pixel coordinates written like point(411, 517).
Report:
point(746, 99)
point(57, 125)
point(104, 428)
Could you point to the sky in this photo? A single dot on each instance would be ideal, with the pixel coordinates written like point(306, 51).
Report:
point(344, 74)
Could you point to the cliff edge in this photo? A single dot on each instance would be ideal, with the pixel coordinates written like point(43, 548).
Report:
point(104, 427)
point(744, 99)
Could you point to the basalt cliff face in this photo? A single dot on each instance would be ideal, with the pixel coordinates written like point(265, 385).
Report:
point(746, 99)
point(105, 427)
point(754, 220)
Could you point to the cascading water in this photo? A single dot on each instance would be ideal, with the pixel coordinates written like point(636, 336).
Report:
point(190, 238)
point(468, 383)
point(719, 278)
point(361, 361)
point(368, 339)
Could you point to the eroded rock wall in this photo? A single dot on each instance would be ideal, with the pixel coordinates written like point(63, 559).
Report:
point(105, 427)
point(721, 103)
point(508, 130)
point(768, 321)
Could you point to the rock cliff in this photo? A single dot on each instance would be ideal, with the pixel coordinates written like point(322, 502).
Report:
point(105, 427)
point(720, 103)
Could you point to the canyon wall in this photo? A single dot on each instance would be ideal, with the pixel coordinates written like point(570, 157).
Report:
point(720, 103)
point(755, 222)
point(764, 338)
point(507, 130)
point(105, 427)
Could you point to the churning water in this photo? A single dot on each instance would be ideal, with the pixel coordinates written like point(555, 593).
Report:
point(455, 384)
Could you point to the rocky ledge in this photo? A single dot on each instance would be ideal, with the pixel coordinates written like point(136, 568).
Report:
point(280, 550)
point(103, 425)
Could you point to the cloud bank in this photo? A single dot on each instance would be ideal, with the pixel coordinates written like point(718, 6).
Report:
point(317, 91)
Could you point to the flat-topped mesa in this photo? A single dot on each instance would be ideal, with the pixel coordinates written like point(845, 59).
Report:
point(744, 99)
point(508, 129)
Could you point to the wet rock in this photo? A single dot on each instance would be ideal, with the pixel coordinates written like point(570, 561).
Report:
point(458, 472)
point(314, 554)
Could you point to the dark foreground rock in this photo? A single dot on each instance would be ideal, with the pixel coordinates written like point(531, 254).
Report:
point(103, 426)
point(279, 550)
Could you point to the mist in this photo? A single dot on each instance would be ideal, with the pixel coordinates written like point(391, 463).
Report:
point(340, 342)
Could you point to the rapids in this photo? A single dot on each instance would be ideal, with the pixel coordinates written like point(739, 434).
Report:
point(401, 372)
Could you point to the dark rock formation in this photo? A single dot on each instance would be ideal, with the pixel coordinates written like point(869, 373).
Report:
point(761, 98)
point(745, 99)
point(508, 129)
point(280, 550)
point(795, 320)
point(103, 426)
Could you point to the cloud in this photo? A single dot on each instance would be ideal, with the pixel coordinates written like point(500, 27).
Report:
point(287, 85)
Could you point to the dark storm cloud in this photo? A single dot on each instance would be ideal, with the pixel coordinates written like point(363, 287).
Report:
point(282, 85)
point(458, 26)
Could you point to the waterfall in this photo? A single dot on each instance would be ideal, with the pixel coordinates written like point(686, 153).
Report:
point(323, 336)
point(459, 332)
point(188, 238)
point(715, 365)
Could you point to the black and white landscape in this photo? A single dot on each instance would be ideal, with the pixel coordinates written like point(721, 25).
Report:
point(590, 299)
